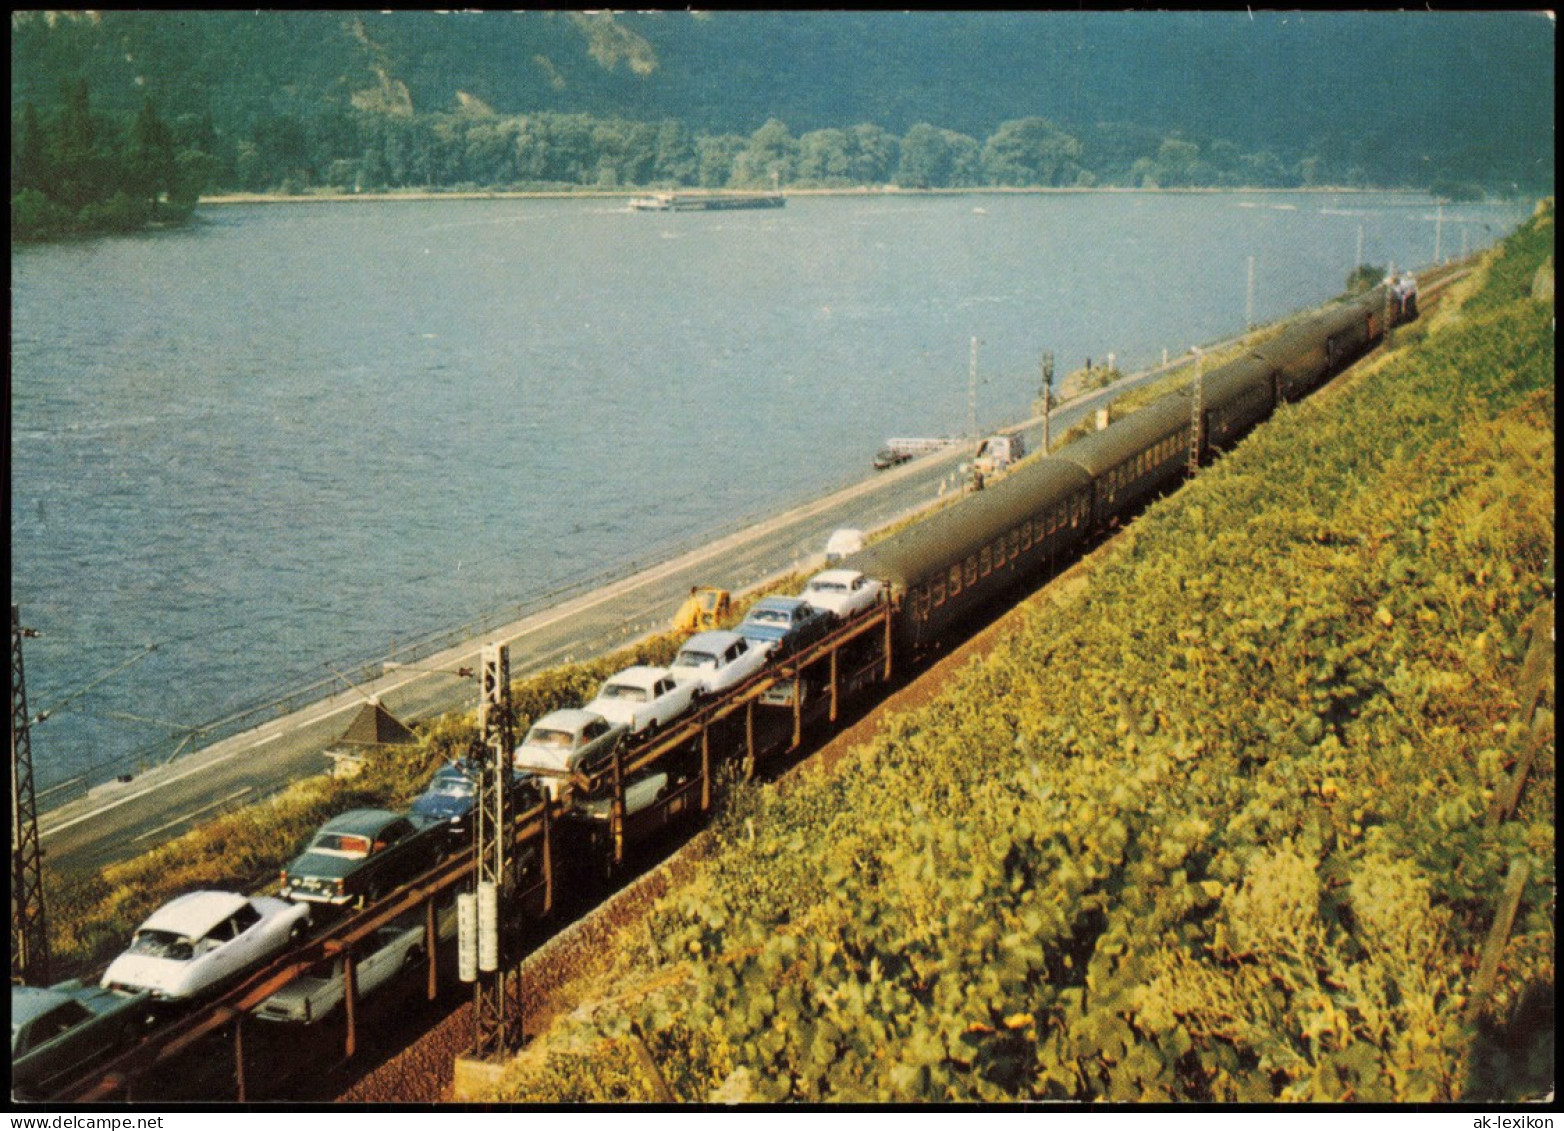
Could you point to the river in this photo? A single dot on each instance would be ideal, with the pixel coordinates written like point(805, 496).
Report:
point(251, 454)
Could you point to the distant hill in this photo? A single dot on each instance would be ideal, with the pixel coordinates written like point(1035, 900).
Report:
point(1394, 95)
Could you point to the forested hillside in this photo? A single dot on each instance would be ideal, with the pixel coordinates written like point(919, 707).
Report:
point(1459, 102)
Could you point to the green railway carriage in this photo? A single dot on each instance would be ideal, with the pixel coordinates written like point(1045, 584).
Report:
point(962, 557)
point(1235, 398)
point(1305, 355)
point(1134, 458)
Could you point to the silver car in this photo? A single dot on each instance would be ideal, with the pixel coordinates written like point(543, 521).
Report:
point(643, 699)
point(202, 940)
point(562, 742)
point(716, 661)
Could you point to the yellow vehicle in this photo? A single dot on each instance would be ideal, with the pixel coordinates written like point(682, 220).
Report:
point(706, 608)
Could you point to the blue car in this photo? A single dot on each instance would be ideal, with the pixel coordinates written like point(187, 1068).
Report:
point(453, 791)
point(783, 625)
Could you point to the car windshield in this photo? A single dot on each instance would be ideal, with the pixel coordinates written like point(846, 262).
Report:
point(624, 691)
point(162, 944)
point(769, 616)
point(351, 845)
point(550, 739)
point(450, 787)
point(688, 659)
point(827, 587)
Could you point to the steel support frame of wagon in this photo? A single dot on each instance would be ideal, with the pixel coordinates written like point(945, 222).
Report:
point(350, 1003)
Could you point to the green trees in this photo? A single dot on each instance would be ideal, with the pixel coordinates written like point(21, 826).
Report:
point(74, 171)
point(1031, 151)
point(936, 158)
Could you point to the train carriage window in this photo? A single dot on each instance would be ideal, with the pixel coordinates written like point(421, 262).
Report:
point(920, 602)
point(936, 589)
point(955, 580)
point(1015, 544)
point(985, 561)
point(972, 570)
point(1026, 535)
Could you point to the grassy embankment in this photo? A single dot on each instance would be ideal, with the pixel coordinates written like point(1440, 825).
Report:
point(1212, 828)
point(91, 918)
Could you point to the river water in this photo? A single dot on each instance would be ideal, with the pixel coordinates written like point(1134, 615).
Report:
point(251, 454)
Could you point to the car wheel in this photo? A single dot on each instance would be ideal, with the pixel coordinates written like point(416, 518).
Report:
point(296, 933)
point(649, 732)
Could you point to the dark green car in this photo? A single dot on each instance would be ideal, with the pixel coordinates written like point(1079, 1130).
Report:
point(362, 854)
point(59, 1032)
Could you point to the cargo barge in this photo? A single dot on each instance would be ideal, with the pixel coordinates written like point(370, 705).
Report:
point(704, 202)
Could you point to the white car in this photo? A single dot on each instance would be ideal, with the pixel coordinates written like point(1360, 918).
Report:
point(643, 699)
point(390, 950)
point(845, 592)
point(201, 940)
point(716, 661)
point(562, 742)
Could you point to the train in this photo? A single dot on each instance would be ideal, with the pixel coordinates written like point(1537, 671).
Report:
point(940, 571)
point(935, 577)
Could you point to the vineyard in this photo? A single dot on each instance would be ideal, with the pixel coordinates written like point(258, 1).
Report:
point(1217, 827)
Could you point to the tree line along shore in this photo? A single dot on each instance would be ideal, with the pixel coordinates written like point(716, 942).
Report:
point(77, 170)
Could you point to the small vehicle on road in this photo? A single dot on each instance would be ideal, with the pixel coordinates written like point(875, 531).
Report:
point(842, 543)
point(716, 661)
point(65, 1029)
point(563, 742)
point(783, 625)
point(199, 942)
point(360, 855)
point(643, 699)
point(845, 592)
point(706, 608)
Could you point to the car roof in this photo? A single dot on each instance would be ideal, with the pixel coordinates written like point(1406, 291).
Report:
point(786, 604)
point(196, 913)
point(640, 673)
point(716, 640)
point(368, 821)
point(31, 1002)
point(571, 718)
point(843, 576)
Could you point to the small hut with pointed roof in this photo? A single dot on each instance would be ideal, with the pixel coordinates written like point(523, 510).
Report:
point(372, 728)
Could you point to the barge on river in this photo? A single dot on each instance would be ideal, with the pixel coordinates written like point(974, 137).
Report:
point(704, 201)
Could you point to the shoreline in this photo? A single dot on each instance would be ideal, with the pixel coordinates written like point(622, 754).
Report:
point(861, 191)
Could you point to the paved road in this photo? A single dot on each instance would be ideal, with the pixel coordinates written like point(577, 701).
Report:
point(123, 818)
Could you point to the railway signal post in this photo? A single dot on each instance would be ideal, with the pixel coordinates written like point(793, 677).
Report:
point(29, 932)
point(1196, 409)
point(496, 989)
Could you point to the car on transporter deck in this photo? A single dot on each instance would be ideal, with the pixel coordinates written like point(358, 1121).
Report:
point(60, 1031)
point(362, 854)
point(643, 698)
point(196, 944)
point(781, 626)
